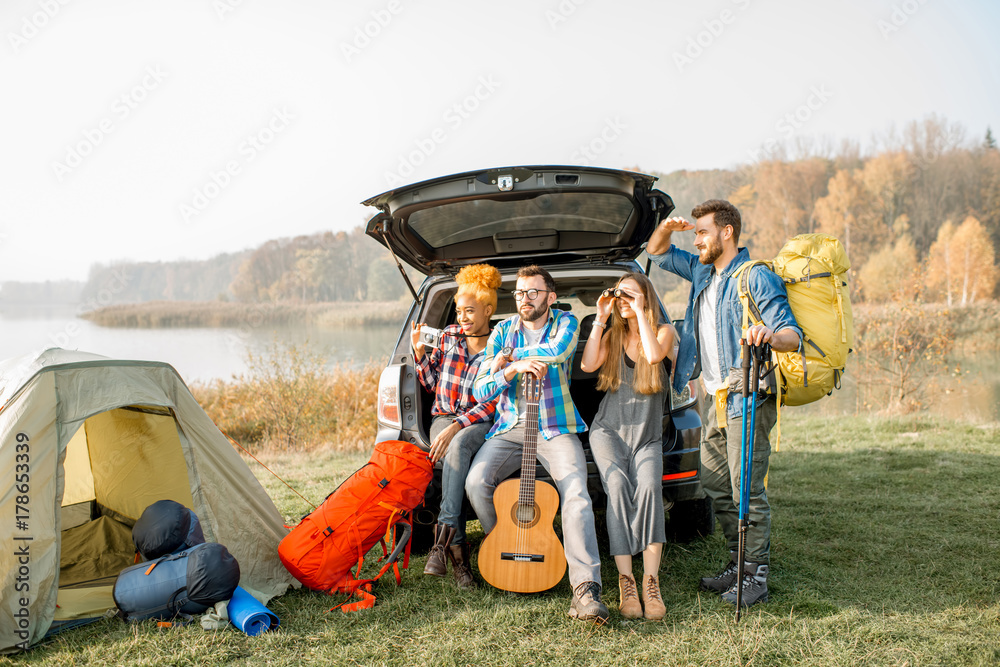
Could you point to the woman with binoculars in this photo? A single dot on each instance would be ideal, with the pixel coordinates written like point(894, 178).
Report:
point(631, 347)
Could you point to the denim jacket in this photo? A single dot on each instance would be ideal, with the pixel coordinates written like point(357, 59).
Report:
point(768, 291)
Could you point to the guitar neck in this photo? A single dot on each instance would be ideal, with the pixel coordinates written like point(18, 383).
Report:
point(529, 454)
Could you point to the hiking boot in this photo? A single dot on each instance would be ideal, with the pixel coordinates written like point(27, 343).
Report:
point(722, 581)
point(630, 606)
point(437, 560)
point(754, 586)
point(586, 604)
point(651, 600)
point(459, 554)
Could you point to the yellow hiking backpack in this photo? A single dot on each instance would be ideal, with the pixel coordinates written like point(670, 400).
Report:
point(813, 267)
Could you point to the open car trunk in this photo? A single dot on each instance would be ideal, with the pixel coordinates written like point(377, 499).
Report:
point(516, 215)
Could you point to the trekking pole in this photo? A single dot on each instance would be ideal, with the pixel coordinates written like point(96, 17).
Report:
point(742, 541)
point(751, 379)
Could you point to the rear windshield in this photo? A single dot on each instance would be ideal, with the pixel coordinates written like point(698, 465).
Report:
point(560, 211)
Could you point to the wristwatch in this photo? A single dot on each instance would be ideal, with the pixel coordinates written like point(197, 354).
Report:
point(508, 352)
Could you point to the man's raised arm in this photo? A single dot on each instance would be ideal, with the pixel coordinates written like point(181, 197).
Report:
point(659, 242)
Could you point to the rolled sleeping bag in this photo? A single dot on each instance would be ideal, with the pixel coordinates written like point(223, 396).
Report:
point(188, 582)
point(166, 527)
point(249, 615)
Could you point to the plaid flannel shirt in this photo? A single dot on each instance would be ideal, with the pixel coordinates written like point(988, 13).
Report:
point(449, 373)
point(556, 413)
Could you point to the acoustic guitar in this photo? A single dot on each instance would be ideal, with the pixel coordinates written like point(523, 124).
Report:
point(522, 554)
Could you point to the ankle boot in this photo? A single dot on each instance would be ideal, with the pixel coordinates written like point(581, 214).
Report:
point(651, 600)
point(629, 607)
point(459, 554)
point(437, 560)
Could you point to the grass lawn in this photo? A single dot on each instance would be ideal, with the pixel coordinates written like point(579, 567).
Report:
point(885, 543)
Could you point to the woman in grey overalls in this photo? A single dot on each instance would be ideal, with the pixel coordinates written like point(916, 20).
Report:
point(632, 349)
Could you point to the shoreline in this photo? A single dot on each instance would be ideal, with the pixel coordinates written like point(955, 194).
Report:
point(228, 314)
point(975, 327)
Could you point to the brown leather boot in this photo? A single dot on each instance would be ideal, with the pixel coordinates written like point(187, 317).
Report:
point(651, 600)
point(459, 554)
point(437, 560)
point(629, 607)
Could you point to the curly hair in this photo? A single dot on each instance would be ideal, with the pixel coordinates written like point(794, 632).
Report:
point(481, 281)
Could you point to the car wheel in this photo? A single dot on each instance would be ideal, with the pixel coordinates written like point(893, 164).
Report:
point(689, 519)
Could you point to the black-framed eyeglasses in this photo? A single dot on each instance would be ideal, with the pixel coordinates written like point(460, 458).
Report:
point(532, 294)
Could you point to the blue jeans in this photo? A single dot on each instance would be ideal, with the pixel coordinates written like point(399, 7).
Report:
point(563, 457)
point(454, 468)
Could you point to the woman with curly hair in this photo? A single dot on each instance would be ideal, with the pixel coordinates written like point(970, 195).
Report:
point(632, 348)
point(460, 424)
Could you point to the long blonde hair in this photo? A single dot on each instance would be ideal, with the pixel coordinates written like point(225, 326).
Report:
point(648, 377)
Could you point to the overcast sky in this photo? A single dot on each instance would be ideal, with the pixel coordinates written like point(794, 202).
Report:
point(152, 131)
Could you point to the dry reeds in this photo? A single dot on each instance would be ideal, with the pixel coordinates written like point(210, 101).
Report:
point(290, 400)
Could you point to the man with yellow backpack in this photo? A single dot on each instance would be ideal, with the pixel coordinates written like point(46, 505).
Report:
point(710, 341)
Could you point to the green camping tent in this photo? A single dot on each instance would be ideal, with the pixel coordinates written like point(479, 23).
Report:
point(87, 443)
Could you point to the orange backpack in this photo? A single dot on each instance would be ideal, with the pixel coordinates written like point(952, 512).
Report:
point(368, 507)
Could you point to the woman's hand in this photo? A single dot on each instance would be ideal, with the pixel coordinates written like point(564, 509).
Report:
point(440, 445)
point(636, 300)
point(605, 304)
point(416, 344)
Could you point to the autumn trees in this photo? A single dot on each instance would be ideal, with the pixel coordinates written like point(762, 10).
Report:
point(961, 266)
point(891, 210)
point(330, 266)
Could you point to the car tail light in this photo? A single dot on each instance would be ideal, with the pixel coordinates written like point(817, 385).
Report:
point(388, 397)
point(687, 474)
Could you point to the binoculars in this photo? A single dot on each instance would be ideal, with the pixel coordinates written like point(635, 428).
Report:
point(615, 293)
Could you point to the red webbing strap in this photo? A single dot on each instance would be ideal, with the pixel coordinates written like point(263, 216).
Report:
point(367, 600)
point(362, 588)
point(361, 553)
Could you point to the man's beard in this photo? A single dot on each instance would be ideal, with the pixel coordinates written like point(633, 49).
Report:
point(712, 252)
point(537, 312)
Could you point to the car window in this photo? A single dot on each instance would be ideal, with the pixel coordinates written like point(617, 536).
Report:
point(560, 211)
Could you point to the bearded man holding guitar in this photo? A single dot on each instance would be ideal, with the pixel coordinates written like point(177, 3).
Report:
point(539, 342)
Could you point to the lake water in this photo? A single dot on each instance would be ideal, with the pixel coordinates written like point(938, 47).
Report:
point(202, 354)
point(198, 354)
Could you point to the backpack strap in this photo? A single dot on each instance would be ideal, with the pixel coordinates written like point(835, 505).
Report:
point(752, 310)
point(362, 588)
point(752, 315)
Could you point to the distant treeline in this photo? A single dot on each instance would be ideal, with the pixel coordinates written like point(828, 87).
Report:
point(920, 213)
point(324, 267)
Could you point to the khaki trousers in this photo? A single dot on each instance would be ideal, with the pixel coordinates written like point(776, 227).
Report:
point(720, 476)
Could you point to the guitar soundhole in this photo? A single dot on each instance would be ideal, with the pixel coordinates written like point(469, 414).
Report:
point(524, 516)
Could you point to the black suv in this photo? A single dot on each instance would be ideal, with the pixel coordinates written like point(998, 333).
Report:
point(586, 226)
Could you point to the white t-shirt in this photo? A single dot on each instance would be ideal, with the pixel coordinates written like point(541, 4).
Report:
point(708, 340)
